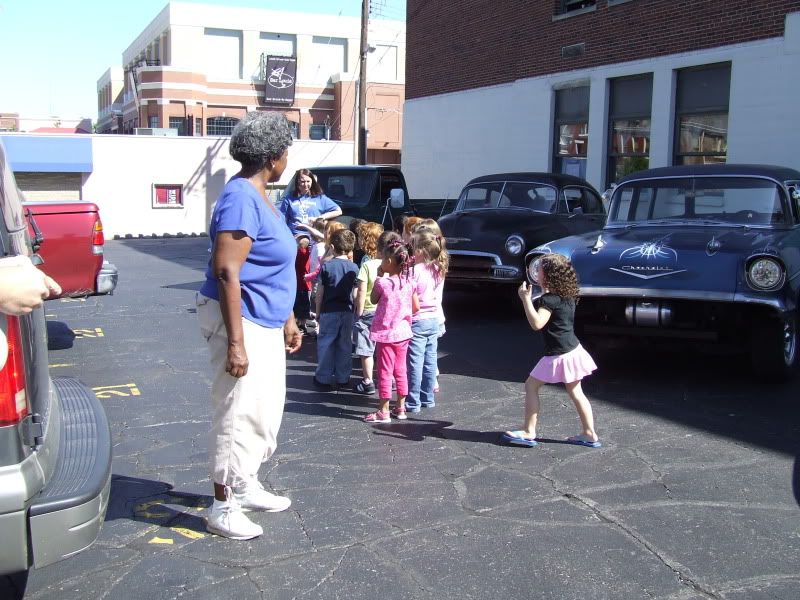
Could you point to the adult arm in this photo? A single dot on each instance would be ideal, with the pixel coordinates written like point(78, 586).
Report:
point(317, 234)
point(536, 318)
point(230, 251)
point(23, 287)
point(330, 208)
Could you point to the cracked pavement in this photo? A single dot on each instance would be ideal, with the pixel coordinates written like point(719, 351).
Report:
point(690, 496)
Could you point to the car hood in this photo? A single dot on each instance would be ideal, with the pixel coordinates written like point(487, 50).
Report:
point(470, 224)
point(693, 258)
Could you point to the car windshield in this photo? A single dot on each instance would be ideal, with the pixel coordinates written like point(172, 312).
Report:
point(737, 200)
point(348, 188)
point(499, 194)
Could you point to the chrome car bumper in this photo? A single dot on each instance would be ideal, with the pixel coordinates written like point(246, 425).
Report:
point(480, 267)
point(107, 278)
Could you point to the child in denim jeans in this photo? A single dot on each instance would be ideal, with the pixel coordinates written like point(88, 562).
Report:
point(337, 277)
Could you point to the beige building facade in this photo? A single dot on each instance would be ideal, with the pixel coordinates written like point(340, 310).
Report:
point(197, 69)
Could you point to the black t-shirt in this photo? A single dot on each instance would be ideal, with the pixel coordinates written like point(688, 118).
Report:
point(559, 333)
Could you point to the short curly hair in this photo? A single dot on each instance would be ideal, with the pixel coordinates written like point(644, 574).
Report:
point(260, 137)
point(560, 277)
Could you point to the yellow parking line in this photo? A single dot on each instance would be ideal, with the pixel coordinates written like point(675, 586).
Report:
point(158, 540)
point(125, 389)
point(95, 332)
point(60, 365)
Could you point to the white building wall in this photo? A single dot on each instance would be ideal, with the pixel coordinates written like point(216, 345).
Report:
point(451, 138)
point(126, 167)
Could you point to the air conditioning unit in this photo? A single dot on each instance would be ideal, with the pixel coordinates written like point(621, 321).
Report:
point(163, 131)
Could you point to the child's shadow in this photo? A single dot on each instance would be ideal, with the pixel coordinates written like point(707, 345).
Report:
point(418, 429)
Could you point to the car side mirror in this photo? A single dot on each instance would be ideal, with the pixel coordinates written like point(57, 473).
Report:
point(606, 196)
point(794, 192)
point(397, 198)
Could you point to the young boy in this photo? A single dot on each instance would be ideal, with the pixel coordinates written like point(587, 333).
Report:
point(337, 277)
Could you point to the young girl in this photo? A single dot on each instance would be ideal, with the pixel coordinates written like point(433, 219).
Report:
point(430, 268)
point(445, 261)
point(373, 240)
point(408, 224)
point(564, 361)
point(391, 327)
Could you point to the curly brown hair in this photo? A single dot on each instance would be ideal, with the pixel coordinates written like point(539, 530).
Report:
point(560, 277)
point(368, 234)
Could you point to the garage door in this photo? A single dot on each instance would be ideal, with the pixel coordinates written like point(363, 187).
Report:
point(49, 186)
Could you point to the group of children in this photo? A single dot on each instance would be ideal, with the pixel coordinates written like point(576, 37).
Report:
point(387, 309)
point(379, 294)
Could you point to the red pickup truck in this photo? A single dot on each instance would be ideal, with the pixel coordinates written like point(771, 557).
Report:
point(68, 236)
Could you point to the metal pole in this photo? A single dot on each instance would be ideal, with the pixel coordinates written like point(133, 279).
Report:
point(362, 87)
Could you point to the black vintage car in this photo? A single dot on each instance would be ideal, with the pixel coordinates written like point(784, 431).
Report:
point(707, 253)
point(499, 217)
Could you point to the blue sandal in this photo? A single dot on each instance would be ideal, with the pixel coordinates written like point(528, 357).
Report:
point(518, 438)
point(580, 440)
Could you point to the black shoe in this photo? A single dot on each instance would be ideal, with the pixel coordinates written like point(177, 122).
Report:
point(364, 388)
point(325, 387)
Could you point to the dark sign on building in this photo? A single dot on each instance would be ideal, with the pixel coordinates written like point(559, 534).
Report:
point(281, 73)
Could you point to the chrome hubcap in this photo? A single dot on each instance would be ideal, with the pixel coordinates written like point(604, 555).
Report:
point(789, 342)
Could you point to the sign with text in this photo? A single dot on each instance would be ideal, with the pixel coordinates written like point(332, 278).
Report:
point(167, 196)
point(281, 73)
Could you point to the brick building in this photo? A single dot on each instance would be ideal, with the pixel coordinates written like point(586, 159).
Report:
point(597, 88)
point(197, 69)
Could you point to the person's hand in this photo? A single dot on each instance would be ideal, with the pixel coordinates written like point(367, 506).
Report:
point(23, 287)
point(292, 337)
point(524, 291)
point(236, 363)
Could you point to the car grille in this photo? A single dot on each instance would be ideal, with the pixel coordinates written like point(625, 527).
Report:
point(467, 266)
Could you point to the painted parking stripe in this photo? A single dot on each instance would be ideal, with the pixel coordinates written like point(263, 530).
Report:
point(94, 332)
point(61, 365)
point(125, 389)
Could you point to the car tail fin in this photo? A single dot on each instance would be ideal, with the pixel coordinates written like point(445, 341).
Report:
point(98, 239)
point(13, 398)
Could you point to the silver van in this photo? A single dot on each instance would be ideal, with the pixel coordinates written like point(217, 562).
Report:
point(55, 442)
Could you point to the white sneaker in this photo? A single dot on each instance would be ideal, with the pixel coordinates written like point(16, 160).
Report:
point(255, 497)
point(228, 520)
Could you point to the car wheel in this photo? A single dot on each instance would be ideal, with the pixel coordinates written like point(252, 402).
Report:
point(774, 349)
point(13, 586)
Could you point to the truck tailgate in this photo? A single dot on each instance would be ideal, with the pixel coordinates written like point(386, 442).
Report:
point(67, 250)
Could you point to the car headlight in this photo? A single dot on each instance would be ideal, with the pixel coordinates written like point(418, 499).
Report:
point(515, 245)
point(765, 273)
point(533, 270)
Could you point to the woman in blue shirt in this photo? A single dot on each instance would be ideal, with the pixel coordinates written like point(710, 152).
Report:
point(304, 203)
point(245, 313)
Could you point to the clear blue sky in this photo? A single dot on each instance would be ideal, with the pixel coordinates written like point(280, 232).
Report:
point(52, 52)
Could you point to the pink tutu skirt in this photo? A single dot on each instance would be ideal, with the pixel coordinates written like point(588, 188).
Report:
point(564, 368)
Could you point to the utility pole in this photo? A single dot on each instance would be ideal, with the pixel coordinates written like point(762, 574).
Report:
point(362, 86)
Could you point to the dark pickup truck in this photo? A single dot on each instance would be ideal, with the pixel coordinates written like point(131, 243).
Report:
point(375, 193)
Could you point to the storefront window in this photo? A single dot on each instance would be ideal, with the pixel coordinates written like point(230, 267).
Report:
point(629, 126)
point(701, 119)
point(571, 145)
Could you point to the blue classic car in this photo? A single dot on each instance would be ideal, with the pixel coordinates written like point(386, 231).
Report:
point(499, 217)
point(705, 253)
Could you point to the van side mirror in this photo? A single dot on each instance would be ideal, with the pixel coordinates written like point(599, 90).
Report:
point(397, 198)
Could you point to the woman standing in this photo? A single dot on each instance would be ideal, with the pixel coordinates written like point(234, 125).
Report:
point(245, 313)
point(304, 203)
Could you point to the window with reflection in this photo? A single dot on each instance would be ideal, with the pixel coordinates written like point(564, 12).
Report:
point(701, 119)
point(631, 99)
point(571, 144)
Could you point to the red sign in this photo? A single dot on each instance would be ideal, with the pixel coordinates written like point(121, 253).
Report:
point(167, 196)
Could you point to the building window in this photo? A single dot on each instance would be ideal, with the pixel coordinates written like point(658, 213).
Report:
point(571, 128)
point(630, 105)
point(318, 132)
point(294, 127)
point(198, 126)
point(701, 114)
point(153, 122)
point(568, 6)
point(220, 125)
point(178, 123)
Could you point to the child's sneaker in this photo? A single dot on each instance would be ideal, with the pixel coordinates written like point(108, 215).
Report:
point(399, 413)
point(311, 327)
point(362, 387)
point(253, 496)
point(378, 417)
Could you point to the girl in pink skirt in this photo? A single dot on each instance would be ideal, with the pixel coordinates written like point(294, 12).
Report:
point(564, 361)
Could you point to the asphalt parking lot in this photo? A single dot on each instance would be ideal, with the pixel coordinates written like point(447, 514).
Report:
point(690, 497)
